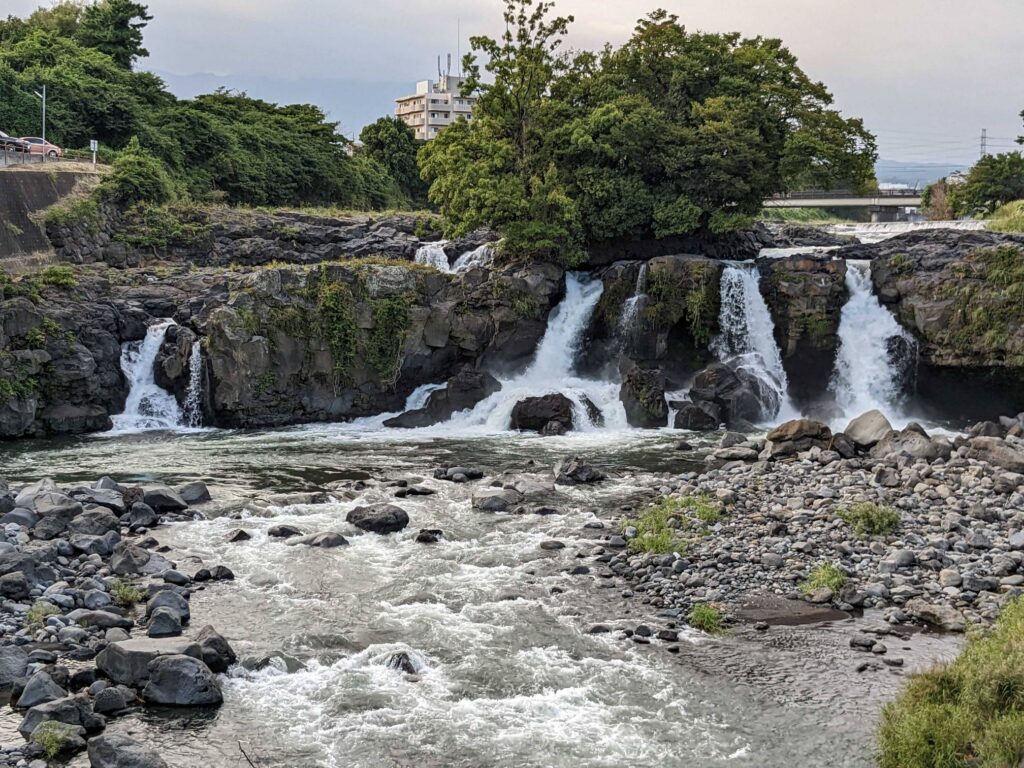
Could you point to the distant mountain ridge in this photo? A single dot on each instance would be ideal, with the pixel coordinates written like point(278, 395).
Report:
point(913, 173)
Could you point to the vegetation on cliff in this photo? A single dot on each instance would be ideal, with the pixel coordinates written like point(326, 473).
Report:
point(673, 133)
point(220, 146)
point(967, 713)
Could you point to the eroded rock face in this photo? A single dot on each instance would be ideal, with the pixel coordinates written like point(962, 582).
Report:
point(643, 396)
point(461, 392)
point(805, 295)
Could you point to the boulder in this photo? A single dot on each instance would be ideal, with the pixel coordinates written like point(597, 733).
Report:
point(326, 540)
point(912, 441)
point(102, 619)
point(868, 428)
point(181, 681)
point(798, 435)
point(997, 452)
point(14, 586)
point(95, 545)
point(128, 559)
point(429, 535)
point(70, 710)
point(740, 396)
point(548, 415)
point(142, 516)
point(643, 397)
point(461, 392)
point(127, 661)
point(702, 416)
point(40, 689)
point(942, 616)
point(496, 499)
point(115, 750)
point(112, 500)
point(163, 499)
point(217, 652)
point(20, 516)
point(380, 518)
point(575, 471)
point(168, 598)
point(13, 665)
point(283, 531)
point(194, 493)
point(164, 622)
point(95, 522)
point(110, 699)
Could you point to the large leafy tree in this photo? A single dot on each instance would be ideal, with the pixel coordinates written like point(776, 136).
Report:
point(115, 28)
point(673, 133)
point(993, 181)
point(391, 142)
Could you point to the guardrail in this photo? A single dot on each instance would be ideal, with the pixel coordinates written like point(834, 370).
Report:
point(9, 157)
point(842, 195)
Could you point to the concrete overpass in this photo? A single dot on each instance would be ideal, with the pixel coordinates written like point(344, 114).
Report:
point(883, 204)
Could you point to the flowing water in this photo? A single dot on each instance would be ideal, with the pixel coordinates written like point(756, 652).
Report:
point(553, 370)
point(876, 232)
point(476, 258)
point(747, 337)
point(432, 254)
point(868, 371)
point(147, 406)
point(194, 393)
point(627, 320)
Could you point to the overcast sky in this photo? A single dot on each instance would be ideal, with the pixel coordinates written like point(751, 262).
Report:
point(926, 75)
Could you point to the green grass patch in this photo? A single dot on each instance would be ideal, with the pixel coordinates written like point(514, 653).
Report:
point(58, 276)
point(868, 519)
point(39, 612)
point(1008, 218)
point(707, 618)
point(53, 737)
point(966, 714)
point(825, 575)
point(655, 532)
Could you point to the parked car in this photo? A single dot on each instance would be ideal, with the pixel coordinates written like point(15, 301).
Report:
point(37, 146)
point(9, 142)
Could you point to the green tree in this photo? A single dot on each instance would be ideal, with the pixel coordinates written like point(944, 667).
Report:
point(993, 181)
point(115, 28)
point(391, 142)
point(137, 177)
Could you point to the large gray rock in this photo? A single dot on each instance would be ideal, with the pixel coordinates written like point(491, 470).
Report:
point(217, 652)
point(548, 414)
point(181, 681)
point(95, 545)
point(168, 598)
point(95, 522)
point(40, 689)
point(14, 586)
point(797, 435)
point(102, 619)
point(942, 616)
point(128, 559)
point(163, 499)
point(13, 664)
point(462, 391)
point(703, 416)
point(997, 451)
point(71, 710)
point(102, 497)
point(496, 499)
point(164, 623)
point(194, 493)
point(127, 661)
point(380, 518)
point(115, 750)
point(868, 428)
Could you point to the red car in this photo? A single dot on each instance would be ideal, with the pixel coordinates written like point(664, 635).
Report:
point(37, 146)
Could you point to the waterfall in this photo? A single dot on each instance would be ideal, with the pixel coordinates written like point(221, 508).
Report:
point(147, 406)
point(194, 393)
point(747, 338)
point(866, 374)
point(432, 254)
point(553, 368)
point(475, 258)
point(632, 305)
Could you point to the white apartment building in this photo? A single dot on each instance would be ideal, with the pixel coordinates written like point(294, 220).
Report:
point(434, 106)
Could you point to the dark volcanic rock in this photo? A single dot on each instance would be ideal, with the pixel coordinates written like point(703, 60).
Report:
point(463, 391)
point(548, 414)
point(115, 750)
point(380, 518)
point(702, 416)
point(643, 396)
point(181, 681)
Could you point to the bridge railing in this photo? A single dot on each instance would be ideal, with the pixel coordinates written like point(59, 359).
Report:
point(833, 194)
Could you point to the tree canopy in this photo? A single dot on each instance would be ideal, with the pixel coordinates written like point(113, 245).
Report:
point(673, 133)
point(220, 146)
point(993, 181)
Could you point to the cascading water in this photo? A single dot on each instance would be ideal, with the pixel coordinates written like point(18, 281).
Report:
point(432, 254)
point(194, 393)
point(632, 305)
point(867, 375)
point(747, 338)
point(147, 406)
point(475, 258)
point(553, 366)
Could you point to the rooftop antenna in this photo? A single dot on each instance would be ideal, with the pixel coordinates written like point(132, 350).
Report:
point(439, 66)
point(448, 72)
point(458, 44)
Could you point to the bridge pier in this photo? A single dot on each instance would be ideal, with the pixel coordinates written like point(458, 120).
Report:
point(880, 214)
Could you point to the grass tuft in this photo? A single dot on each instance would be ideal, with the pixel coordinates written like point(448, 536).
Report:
point(868, 519)
point(825, 575)
point(38, 613)
point(125, 593)
point(53, 737)
point(707, 618)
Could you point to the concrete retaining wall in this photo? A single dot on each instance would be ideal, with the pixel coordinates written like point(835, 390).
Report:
point(23, 193)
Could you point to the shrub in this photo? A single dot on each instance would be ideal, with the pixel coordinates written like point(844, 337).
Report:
point(706, 617)
point(53, 737)
point(137, 176)
point(825, 575)
point(126, 593)
point(1008, 218)
point(39, 612)
point(964, 714)
point(59, 276)
point(868, 519)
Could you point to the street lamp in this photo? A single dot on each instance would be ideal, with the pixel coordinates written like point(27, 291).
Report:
point(42, 97)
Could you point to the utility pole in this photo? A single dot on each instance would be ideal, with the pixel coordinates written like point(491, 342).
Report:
point(984, 142)
point(42, 96)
